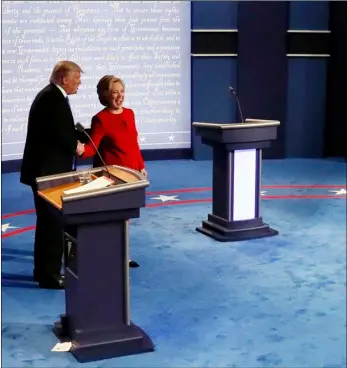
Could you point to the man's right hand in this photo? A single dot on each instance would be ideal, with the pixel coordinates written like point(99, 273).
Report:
point(80, 148)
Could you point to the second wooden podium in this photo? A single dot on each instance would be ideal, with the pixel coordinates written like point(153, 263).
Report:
point(97, 319)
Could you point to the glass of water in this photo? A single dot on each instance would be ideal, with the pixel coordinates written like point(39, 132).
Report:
point(84, 176)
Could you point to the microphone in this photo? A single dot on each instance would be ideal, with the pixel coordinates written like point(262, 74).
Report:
point(232, 90)
point(79, 127)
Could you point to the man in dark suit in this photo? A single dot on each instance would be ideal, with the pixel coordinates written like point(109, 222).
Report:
point(50, 147)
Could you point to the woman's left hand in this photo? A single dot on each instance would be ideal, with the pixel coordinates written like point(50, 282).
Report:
point(144, 173)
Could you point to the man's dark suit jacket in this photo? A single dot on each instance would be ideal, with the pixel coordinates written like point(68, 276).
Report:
point(51, 140)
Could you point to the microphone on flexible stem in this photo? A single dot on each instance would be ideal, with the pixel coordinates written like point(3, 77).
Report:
point(232, 90)
point(81, 129)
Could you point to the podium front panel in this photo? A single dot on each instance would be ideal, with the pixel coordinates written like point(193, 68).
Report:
point(245, 181)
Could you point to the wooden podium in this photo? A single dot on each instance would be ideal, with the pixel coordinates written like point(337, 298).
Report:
point(237, 158)
point(97, 319)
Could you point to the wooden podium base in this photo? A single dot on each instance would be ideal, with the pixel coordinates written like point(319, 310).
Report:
point(225, 231)
point(103, 344)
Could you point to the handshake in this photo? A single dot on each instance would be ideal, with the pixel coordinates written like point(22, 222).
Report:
point(80, 148)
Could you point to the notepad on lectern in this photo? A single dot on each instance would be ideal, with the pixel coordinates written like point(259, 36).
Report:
point(99, 183)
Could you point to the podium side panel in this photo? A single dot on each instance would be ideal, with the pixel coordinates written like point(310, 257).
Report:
point(222, 183)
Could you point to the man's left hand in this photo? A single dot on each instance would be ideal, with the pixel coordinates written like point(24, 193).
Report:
point(144, 173)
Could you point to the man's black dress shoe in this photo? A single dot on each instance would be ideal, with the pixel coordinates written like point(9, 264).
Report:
point(37, 276)
point(133, 264)
point(55, 283)
point(49, 282)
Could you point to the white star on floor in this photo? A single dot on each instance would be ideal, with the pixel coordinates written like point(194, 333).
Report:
point(143, 139)
point(262, 192)
point(165, 198)
point(342, 191)
point(171, 138)
point(4, 227)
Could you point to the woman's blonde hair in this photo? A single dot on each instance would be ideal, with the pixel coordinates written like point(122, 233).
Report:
point(62, 69)
point(104, 87)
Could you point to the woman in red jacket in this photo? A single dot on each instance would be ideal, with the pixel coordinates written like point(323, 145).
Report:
point(113, 129)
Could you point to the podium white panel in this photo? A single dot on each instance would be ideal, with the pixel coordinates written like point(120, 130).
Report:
point(245, 176)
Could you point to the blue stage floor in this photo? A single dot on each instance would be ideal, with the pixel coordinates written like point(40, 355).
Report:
point(275, 302)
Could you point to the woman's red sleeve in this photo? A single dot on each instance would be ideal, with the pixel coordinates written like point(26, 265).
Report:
point(97, 133)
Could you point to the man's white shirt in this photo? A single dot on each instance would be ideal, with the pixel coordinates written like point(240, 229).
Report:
point(62, 90)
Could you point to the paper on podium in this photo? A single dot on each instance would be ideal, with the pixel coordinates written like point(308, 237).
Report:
point(98, 183)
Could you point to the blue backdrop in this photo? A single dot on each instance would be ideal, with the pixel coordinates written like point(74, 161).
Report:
point(305, 84)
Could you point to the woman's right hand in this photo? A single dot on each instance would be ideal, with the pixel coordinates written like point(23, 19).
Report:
point(80, 148)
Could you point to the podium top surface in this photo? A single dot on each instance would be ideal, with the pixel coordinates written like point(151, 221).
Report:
point(53, 187)
point(248, 123)
point(54, 195)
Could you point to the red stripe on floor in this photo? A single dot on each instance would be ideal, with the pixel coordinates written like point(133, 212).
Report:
point(175, 203)
point(19, 231)
point(204, 189)
point(186, 201)
point(14, 214)
point(318, 196)
point(186, 190)
point(301, 186)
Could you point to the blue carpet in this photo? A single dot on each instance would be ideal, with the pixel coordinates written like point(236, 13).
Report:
point(275, 302)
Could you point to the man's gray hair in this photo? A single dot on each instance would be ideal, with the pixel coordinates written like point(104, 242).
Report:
point(62, 69)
